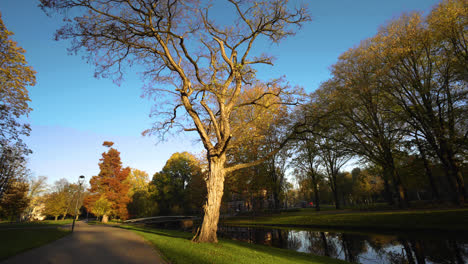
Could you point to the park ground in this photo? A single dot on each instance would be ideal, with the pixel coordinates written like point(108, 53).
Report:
point(455, 219)
point(173, 246)
point(19, 237)
point(176, 246)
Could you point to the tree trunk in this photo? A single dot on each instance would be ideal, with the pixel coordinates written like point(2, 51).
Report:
point(276, 200)
point(316, 194)
point(388, 192)
point(403, 201)
point(337, 200)
point(215, 188)
point(430, 176)
point(457, 175)
point(400, 190)
point(453, 174)
point(335, 192)
point(56, 217)
point(105, 218)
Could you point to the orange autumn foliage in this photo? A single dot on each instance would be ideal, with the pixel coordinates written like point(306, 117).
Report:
point(111, 182)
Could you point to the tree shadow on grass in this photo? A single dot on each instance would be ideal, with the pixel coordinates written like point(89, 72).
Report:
point(167, 233)
point(226, 251)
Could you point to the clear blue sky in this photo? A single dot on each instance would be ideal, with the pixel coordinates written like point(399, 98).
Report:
point(74, 112)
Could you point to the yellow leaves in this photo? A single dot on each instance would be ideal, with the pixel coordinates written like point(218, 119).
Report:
point(15, 74)
point(450, 20)
point(138, 180)
point(449, 12)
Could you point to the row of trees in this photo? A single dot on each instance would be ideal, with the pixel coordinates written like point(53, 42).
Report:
point(119, 192)
point(15, 77)
point(116, 192)
point(398, 104)
point(399, 95)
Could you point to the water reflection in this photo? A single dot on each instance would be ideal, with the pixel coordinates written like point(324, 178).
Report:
point(359, 248)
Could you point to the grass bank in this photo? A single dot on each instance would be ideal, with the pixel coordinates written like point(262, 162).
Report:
point(14, 241)
point(176, 247)
point(35, 223)
point(411, 220)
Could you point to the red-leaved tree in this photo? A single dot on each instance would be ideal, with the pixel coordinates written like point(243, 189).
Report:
point(110, 183)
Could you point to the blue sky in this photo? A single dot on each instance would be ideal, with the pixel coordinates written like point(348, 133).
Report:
point(75, 112)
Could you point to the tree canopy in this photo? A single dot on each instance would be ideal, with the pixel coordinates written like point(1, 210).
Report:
point(202, 64)
point(15, 77)
point(110, 185)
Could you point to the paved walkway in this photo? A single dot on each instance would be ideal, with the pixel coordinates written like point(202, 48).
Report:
point(92, 244)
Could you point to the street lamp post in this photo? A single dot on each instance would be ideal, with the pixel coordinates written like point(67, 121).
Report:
point(80, 182)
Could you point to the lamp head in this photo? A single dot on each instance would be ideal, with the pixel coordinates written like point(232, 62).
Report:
point(81, 179)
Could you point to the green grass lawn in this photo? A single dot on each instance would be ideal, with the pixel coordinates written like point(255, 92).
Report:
point(176, 247)
point(14, 241)
point(416, 220)
point(35, 223)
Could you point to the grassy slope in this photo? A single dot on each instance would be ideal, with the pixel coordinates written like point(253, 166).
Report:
point(35, 224)
point(15, 241)
point(442, 220)
point(176, 247)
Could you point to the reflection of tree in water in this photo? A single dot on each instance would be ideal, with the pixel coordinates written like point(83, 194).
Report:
point(380, 244)
point(447, 251)
point(460, 251)
point(320, 244)
point(352, 246)
point(280, 238)
point(294, 242)
point(434, 251)
point(397, 258)
point(408, 253)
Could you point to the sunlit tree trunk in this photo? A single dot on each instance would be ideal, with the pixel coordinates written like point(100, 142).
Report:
point(215, 188)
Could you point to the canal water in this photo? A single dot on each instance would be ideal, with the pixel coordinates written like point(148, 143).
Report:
point(366, 248)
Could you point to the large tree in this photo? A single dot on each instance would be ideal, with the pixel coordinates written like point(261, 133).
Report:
point(37, 187)
point(55, 204)
point(306, 164)
point(175, 185)
point(110, 184)
point(207, 60)
point(15, 77)
point(15, 200)
point(65, 197)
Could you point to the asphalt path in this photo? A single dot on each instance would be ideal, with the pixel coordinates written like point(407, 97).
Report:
point(92, 244)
